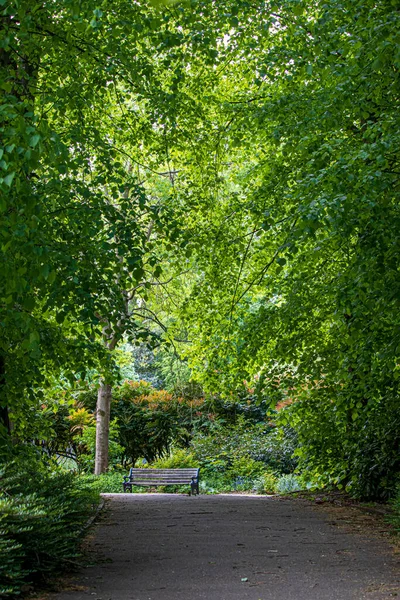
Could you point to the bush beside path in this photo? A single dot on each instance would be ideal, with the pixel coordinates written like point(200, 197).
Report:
point(231, 547)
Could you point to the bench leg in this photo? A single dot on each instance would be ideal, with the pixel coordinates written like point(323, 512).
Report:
point(127, 486)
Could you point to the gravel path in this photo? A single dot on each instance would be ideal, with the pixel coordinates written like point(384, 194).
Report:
point(230, 547)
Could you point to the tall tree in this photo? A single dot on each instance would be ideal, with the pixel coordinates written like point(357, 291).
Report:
point(300, 289)
point(86, 88)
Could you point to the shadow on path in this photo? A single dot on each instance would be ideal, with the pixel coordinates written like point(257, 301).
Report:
point(175, 547)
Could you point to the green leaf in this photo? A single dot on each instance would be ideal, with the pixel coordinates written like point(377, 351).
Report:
point(34, 337)
point(33, 142)
point(9, 179)
point(45, 270)
point(298, 10)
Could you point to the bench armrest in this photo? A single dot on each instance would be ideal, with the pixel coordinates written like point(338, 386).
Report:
point(126, 478)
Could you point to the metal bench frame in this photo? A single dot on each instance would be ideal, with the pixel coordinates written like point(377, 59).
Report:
point(156, 477)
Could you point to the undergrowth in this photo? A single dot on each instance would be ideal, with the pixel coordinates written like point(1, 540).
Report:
point(42, 516)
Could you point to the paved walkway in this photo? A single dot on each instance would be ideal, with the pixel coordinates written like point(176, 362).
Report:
point(175, 547)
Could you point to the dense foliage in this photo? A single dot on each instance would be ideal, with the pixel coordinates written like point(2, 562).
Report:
point(220, 179)
point(232, 451)
point(75, 219)
point(226, 447)
point(42, 515)
point(200, 198)
point(298, 291)
point(147, 423)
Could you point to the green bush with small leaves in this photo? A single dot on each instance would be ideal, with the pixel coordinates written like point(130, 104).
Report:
point(107, 483)
point(219, 449)
point(43, 512)
point(177, 459)
point(245, 467)
point(266, 483)
point(289, 483)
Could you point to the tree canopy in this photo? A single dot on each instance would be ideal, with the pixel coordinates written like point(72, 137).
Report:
point(226, 174)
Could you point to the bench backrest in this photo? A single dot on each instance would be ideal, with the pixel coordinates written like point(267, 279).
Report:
point(163, 476)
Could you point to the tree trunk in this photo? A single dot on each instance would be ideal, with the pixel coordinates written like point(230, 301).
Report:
point(102, 428)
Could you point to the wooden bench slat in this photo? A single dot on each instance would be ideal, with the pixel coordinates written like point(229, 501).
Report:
point(185, 477)
point(165, 479)
point(155, 476)
point(150, 483)
point(160, 482)
point(150, 479)
point(162, 472)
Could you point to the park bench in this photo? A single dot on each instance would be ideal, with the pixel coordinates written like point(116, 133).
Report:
point(155, 477)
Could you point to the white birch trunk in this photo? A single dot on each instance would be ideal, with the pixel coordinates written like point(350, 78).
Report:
point(104, 394)
point(102, 428)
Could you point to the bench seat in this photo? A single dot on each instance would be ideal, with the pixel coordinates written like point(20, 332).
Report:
point(155, 477)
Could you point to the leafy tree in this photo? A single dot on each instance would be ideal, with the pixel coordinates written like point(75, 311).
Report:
point(298, 286)
point(83, 126)
point(251, 148)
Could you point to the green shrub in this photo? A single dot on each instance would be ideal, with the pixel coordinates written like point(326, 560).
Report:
point(266, 483)
point(215, 484)
point(243, 466)
point(42, 514)
point(217, 450)
point(244, 475)
point(12, 571)
point(289, 483)
point(153, 421)
point(354, 449)
point(107, 483)
point(177, 459)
